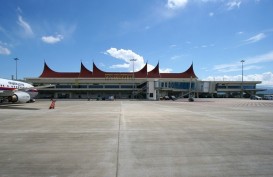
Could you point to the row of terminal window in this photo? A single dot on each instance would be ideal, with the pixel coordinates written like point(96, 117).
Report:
point(94, 86)
point(236, 87)
point(174, 85)
point(177, 85)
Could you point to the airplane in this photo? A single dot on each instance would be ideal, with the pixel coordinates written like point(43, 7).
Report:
point(18, 91)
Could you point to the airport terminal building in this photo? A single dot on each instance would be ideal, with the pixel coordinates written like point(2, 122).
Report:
point(152, 85)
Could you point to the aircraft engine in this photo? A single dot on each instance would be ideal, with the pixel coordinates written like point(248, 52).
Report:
point(19, 97)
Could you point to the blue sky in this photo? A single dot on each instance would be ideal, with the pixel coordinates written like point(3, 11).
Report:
point(213, 34)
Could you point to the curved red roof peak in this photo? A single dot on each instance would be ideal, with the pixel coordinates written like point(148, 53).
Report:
point(97, 72)
point(47, 67)
point(142, 73)
point(49, 73)
point(190, 72)
point(154, 72)
point(85, 72)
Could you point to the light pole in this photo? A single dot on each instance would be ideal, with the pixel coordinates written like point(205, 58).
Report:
point(133, 60)
point(16, 60)
point(242, 87)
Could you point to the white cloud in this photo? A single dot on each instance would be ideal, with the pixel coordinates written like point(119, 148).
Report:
point(267, 57)
point(19, 9)
point(266, 78)
point(250, 63)
point(27, 28)
point(233, 4)
point(101, 64)
point(175, 4)
point(150, 67)
point(166, 70)
point(52, 39)
point(204, 46)
point(124, 65)
point(176, 57)
point(4, 50)
point(255, 38)
point(126, 56)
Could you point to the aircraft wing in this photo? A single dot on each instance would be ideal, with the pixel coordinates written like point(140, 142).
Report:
point(43, 86)
point(37, 88)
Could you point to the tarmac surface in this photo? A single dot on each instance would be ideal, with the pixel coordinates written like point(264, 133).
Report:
point(123, 138)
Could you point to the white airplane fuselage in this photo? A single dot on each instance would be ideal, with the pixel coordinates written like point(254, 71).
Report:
point(17, 91)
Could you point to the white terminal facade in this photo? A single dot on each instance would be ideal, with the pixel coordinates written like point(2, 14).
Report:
point(152, 85)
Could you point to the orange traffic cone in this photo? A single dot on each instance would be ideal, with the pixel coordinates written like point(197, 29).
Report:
point(52, 105)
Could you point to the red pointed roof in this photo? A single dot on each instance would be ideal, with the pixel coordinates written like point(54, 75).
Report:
point(49, 73)
point(189, 73)
point(85, 72)
point(155, 72)
point(141, 73)
point(97, 73)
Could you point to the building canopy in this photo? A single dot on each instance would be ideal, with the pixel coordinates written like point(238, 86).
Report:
point(97, 73)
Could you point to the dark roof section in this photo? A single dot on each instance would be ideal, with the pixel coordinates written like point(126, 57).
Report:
point(97, 73)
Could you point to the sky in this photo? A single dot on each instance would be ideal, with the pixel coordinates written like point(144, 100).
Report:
point(214, 35)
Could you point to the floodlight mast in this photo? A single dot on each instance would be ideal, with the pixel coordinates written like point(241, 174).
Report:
point(242, 87)
point(133, 60)
point(16, 60)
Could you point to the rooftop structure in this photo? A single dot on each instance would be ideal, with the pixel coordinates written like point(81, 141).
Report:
point(97, 73)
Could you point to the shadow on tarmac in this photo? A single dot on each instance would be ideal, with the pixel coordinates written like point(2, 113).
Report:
point(15, 106)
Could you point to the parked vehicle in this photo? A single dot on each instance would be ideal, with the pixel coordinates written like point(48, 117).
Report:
point(111, 98)
point(268, 97)
point(166, 97)
point(173, 97)
point(255, 97)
